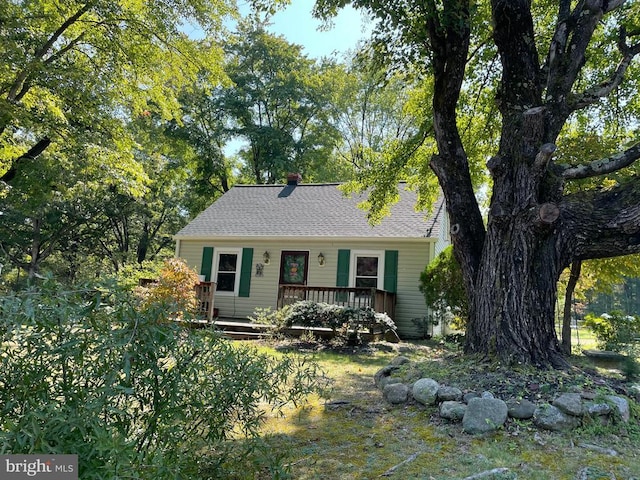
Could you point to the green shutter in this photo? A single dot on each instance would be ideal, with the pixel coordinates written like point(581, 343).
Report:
point(245, 272)
point(391, 270)
point(342, 276)
point(207, 261)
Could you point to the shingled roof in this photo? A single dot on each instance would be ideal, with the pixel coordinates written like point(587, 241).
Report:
point(307, 210)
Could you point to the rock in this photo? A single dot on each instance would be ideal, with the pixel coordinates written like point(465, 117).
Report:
point(594, 473)
point(453, 410)
point(446, 394)
point(384, 381)
point(634, 391)
point(622, 405)
point(597, 408)
point(521, 409)
point(425, 391)
point(570, 403)
point(396, 393)
point(399, 360)
point(487, 395)
point(552, 418)
point(468, 396)
point(484, 415)
point(382, 373)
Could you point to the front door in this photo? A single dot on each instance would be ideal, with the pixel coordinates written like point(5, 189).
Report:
point(294, 268)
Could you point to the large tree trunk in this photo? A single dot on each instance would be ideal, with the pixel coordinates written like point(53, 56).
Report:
point(534, 228)
point(514, 297)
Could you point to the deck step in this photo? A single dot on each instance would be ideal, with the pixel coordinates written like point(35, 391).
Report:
point(242, 330)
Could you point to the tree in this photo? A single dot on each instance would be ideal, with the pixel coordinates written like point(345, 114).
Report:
point(81, 67)
point(551, 68)
point(278, 105)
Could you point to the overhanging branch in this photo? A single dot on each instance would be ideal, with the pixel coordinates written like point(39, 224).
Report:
point(604, 165)
point(601, 224)
point(595, 93)
point(31, 154)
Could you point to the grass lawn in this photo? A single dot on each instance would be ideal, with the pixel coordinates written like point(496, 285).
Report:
point(354, 434)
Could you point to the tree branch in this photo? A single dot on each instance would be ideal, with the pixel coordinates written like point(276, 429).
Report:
point(595, 93)
point(31, 154)
point(17, 88)
point(450, 42)
point(603, 165)
point(600, 224)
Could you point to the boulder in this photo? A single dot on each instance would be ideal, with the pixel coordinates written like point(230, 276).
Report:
point(384, 381)
point(396, 393)
point(595, 409)
point(425, 391)
point(400, 360)
point(453, 410)
point(468, 396)
point(521, 409)
point(484, 415)
point(446, 394)
point(382, 373)
point(622, 405)
point(634, 392)
point(552, 418)
point(570, 403)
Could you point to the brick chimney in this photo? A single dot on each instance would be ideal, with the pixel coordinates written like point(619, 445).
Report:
point(294, 179)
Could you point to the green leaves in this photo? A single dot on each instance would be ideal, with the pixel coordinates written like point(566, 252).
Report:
point(133, 397)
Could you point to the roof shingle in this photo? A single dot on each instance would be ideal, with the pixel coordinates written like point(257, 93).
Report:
point(307, 210)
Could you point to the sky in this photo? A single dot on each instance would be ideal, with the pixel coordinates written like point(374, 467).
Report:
point(298, 26)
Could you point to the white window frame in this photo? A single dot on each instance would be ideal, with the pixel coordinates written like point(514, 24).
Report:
point(366, 253)
point(216, 263)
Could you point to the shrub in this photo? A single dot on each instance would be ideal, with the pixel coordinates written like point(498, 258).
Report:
point(346, 322)
point(443, 288)
point(619, 333)
point(175, 289)
point(86, 372)
point(614, 331)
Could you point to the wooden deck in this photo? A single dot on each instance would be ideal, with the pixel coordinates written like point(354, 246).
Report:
point(379, 300)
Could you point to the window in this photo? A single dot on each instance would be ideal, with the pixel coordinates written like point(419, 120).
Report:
point(368, 268)
point(227, 267)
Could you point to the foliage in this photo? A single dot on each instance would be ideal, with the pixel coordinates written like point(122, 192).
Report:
point(614, 330)
point(174, 290)
point(128, 277)
point(86, 372)
point(278, 106)
point(346, 322)
point(443, 289)
point(559, 72)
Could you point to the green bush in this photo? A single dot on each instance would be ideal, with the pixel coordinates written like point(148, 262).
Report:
point(346, 322)
point(86, 372)
point(614, 331)
point(443, 288)
point(619, 333)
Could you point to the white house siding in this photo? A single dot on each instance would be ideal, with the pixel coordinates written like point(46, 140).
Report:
point(413, 256)
point(444, 239)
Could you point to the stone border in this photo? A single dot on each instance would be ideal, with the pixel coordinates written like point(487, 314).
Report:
point(482, 412)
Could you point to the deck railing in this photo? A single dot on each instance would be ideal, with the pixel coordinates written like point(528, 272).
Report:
point(379, 300)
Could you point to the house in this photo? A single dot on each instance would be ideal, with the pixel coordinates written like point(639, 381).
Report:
point(268, 245)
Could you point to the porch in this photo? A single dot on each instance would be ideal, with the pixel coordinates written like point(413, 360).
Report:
point(379, 300)
point(356, 297)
